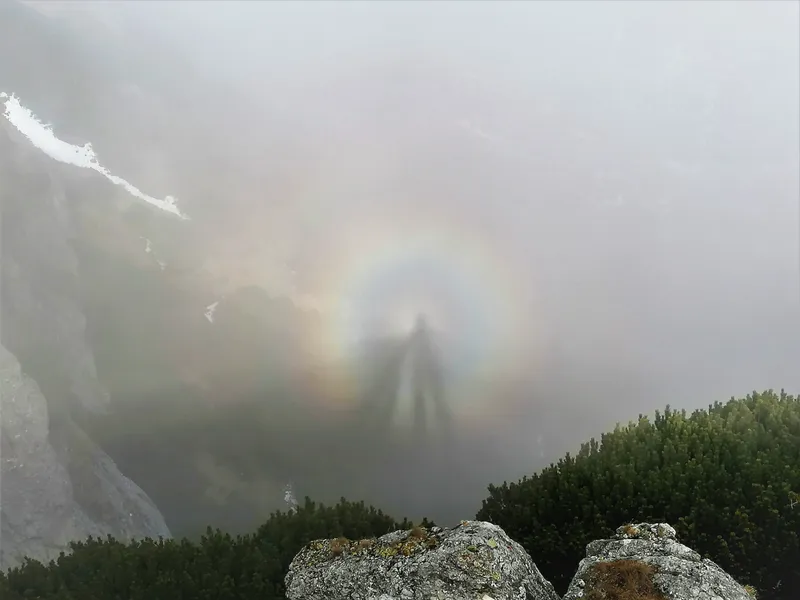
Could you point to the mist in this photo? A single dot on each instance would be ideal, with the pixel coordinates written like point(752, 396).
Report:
point(595, 204)
point(635, 165)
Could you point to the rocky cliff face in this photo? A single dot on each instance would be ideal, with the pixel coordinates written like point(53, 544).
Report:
point(42, 322)
point(478, 561)
point(56, 484)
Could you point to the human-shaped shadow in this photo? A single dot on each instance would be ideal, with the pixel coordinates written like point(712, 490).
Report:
point(380, 403)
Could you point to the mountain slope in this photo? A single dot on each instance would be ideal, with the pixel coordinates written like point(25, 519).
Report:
point(57, 484)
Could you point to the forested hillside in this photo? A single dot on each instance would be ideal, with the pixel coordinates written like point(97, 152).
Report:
point(725, 477)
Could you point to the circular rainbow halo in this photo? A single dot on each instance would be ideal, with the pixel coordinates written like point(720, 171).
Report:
point(385, 277)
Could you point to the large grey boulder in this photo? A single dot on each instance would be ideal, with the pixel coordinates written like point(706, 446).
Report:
point(475, 560)
point(646, 560)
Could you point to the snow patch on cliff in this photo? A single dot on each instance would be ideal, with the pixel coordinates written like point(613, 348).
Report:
point(148, 248)
point(41, 135)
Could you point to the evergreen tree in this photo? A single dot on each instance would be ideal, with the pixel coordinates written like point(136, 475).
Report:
point(724, 477)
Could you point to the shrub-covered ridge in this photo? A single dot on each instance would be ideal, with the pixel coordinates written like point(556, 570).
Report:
point(725, 477)
point(218, 567)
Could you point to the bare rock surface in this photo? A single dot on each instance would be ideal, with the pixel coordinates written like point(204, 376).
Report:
point(475, 560)
point(55, 492)
point(646, 559)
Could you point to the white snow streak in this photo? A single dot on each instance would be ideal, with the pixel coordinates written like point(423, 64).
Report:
point(148, 248)
point(210, 310)
point(41, 135)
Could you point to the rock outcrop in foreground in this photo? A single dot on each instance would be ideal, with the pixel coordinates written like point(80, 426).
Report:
point(475, 560)
point(478, 561)
point(646, 561)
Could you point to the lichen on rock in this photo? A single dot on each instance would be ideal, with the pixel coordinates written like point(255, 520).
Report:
point(645, 561)
point(475, 560)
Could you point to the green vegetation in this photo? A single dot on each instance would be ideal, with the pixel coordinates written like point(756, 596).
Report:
point(725, 478)
point(218, 567)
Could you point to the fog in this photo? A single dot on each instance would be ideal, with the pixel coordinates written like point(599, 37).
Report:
point(635, 165)
point(594, 203)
